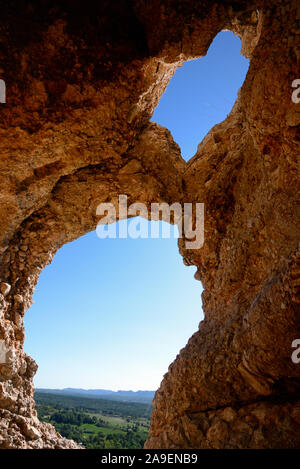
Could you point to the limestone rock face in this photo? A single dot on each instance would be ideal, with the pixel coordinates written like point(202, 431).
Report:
point(82, 82)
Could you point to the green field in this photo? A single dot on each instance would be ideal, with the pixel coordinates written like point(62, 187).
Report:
point(96, 423)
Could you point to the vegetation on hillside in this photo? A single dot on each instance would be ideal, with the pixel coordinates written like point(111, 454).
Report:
point(96, 423)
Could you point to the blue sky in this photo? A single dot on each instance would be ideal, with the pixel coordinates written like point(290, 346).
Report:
point(202, 92)
point(114, 313)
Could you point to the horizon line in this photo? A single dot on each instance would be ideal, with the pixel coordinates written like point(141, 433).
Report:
point(98, 389)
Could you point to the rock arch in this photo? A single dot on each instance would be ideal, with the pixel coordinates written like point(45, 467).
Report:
point(81, 86)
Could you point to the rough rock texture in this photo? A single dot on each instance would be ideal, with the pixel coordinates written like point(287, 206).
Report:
point(83, 79)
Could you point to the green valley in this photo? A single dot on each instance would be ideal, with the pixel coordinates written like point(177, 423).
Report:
point(96, 423)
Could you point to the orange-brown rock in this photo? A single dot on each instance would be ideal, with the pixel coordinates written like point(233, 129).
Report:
point(82, 80)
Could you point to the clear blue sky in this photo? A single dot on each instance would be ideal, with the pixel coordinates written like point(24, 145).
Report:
point(114, 313)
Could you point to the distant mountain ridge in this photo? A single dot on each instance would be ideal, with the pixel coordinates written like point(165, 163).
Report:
point(127, 396)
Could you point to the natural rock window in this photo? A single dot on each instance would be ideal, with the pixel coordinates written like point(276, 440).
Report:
point(200, 95)
point(202, 92)
point(111, 313)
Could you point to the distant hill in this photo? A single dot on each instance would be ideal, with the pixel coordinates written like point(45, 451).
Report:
point(97, 404)
point(145, 397)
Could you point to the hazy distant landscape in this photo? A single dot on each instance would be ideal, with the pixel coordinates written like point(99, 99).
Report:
point(130, 396)
point(115, 420)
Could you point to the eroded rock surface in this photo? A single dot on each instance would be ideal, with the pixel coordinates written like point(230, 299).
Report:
point(82, 83)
